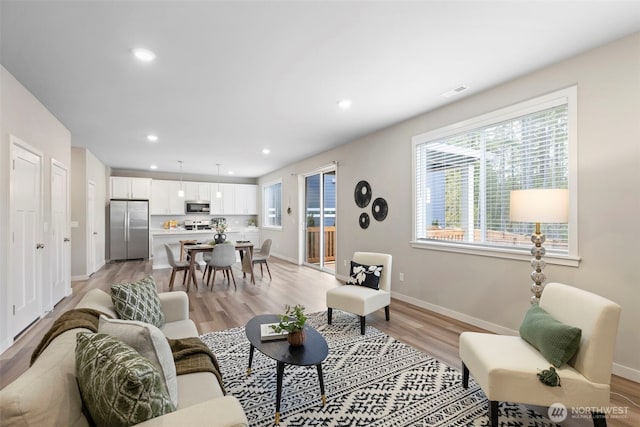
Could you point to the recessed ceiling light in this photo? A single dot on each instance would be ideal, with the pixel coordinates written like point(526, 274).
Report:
point(144, 55)
point(153, 167)
point(266, 151)
point(230, 172)
point(345, 104)
point(152, 138)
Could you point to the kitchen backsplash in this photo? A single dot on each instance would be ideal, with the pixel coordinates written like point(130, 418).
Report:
point(234, 221)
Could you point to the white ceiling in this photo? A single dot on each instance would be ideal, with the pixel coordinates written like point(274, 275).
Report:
point(232, 78)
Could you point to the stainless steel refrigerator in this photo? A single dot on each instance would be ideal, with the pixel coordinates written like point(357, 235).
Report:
point(129, 229)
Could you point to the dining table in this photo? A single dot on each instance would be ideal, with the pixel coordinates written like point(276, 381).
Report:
point(246, 259)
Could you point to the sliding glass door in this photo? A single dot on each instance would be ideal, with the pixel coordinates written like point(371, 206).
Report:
point(320, 220)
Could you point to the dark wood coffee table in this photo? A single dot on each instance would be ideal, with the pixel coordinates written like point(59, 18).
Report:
point(313, 352)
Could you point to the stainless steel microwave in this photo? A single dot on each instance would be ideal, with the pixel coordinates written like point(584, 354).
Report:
point(192, 207)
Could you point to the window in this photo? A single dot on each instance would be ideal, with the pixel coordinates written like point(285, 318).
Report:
point(272, 204)
point(464, 174)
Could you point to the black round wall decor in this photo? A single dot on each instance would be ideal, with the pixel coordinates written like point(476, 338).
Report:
point(364, 220)
point(362, 194)
point(379, 209)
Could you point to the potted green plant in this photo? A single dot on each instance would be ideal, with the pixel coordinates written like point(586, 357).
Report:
point(292, 321)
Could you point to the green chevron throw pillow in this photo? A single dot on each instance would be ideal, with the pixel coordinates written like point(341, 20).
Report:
point(119, 387)
point(138, 301)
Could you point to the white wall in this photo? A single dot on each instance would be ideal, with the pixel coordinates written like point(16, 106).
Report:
point(494, 292)
point(86, 167)
point(23, 116)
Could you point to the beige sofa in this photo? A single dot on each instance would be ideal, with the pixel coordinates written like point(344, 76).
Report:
point(47, 393)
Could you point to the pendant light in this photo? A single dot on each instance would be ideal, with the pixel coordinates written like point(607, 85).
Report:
point(181, 191)
point(218, 193)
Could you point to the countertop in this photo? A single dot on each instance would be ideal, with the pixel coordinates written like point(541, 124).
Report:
point(179, 231)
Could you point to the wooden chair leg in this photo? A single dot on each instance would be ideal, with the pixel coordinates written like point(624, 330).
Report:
point(261, 272)
point(599, 419)
point(465, 376)
point(213, 282)
point(230, 273)
point(493, 413)
point(173, 277)
point(329, 315)
point(386, 313)
point(184, 276)
point(268, 271)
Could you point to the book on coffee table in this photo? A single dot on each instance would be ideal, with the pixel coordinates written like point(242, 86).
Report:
point(268, 334)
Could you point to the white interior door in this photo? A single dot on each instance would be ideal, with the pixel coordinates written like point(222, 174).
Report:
point(92, 234)
point(26, 236)
point(60, 247)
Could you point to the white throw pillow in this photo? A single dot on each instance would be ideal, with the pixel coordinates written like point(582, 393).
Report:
point(150, 342)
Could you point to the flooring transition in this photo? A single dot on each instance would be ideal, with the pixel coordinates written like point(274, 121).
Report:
point(223, 307)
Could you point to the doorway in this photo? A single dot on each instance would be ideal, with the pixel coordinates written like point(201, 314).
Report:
point(60, 254)
point(27, 246)
point(320, 219)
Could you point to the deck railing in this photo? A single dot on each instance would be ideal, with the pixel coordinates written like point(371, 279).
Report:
point(313, 244)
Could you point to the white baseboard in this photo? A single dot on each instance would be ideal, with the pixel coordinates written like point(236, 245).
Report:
point(456, 315)
point(76, 278)
point(160, 266)
point(626, 372)
point(617, 369)
point(4, 345)
point(284, 258)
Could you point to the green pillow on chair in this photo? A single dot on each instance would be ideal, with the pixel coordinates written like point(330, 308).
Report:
point(557, 342)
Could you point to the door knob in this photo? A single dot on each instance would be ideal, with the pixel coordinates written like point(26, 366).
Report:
point(66, 239)
point(95, 233)
point(39, 245)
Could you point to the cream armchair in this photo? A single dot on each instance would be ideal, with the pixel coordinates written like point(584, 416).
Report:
point(361, 300)
point(506, 367)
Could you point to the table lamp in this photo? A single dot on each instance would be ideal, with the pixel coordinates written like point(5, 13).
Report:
point(539, 206)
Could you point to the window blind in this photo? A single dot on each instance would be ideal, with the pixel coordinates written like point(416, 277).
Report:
point(464, 178)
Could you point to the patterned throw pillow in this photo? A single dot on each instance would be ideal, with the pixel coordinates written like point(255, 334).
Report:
point(365, 275)
point(119, 387)
point(138, 301)
point(150, 342)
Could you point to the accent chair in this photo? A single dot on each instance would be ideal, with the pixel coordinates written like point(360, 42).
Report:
point(507, 367)
point(362, 300)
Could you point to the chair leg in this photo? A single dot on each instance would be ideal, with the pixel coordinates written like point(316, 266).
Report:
point(599, 419)
point(173, 277)
point(230, 273)
point(266, 264)
point(465, 376)
point(362, 326)
point(493, 413)
point(261, 272)
point(184, 276)
point(386, 313)
point(213, 282)
point(329, 315)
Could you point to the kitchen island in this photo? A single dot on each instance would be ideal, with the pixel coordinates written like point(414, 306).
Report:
point(161, 236)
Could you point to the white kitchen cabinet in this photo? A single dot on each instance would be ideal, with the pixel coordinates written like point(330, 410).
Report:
point(197, 191)
point(164, 198)
point(245, 199)
point(224, 205)
point(130, 188)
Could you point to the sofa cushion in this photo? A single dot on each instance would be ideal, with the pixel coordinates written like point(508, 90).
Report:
point(118, 386)
point(150, 342)
point(365, 275)
point(556, 341)
point(138, 301)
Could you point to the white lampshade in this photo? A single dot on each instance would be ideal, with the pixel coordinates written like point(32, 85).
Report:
point(540, 205)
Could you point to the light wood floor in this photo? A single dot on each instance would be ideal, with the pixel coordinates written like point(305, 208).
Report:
point(225, 307)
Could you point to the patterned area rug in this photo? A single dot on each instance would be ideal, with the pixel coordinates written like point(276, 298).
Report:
point(370, 380)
